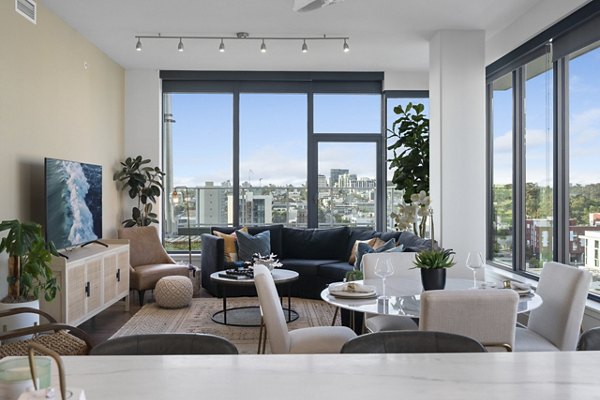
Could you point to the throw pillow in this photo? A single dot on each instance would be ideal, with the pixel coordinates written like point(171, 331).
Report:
point(371, 242)
point(379, 247)
point(230, 248)
point(248, 244)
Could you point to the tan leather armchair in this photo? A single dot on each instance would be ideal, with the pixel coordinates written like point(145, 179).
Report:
point(148, 259)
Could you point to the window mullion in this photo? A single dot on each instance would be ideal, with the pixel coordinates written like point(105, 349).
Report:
point(561, 160)
point(519, 170)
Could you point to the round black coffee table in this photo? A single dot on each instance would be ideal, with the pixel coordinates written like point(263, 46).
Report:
point(250, 315)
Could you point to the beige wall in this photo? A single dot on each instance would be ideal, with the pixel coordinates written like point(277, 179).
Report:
point(60, 97)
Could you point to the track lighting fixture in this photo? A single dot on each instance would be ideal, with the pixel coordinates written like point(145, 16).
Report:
point(244, 36)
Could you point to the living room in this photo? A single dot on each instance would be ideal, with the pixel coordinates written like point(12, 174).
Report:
point(64, 97)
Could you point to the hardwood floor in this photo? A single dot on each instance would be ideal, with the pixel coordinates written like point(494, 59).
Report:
point(104, 325)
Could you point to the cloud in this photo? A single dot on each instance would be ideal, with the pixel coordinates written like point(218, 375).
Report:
point(503, 143)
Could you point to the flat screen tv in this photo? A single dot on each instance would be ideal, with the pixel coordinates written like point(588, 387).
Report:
point(73, 202)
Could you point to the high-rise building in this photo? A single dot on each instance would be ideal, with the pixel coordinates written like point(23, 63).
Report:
point(334, 175)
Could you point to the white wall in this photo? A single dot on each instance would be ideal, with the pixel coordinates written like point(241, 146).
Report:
point(406, 80)
point(143, 134)
point(60, 97)
point(457, 148)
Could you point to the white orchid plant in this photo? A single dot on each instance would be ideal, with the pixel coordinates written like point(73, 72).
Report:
point(408, 215)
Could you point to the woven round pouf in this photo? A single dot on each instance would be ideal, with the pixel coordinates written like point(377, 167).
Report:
point(173, 292)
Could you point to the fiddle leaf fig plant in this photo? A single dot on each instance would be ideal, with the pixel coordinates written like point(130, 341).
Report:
point(411, 150)
point(143, 183)
point(29, 257)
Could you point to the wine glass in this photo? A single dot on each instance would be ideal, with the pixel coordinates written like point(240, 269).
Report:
point(383, 269)
point(474, 262)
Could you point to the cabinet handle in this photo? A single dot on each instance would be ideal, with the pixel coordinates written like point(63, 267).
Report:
point(118, 274)
point(87, 289)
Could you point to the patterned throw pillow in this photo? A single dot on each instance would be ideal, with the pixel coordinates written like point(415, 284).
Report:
point(230, 248)
point(371, 242)
point(248, 244)
point(380, 247)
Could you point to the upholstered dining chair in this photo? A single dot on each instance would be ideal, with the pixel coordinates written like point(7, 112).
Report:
point(402, 263)
point(589, 340)
point(148, 259)
point(317, 339)
point(555, 325)
point(412, 342)
point(488, 316)
point(164, 344)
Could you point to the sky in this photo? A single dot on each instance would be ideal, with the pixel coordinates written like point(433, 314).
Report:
point(584, 125)
point(273, 142)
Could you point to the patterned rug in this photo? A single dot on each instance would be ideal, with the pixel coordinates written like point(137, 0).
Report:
point(152, 319)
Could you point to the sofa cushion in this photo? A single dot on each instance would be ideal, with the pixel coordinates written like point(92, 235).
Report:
point(249, 244)
point(385, 236)
point(315, 244)
point(412, 242)
point(275, 232)
point(304, 266)
point(334, 271)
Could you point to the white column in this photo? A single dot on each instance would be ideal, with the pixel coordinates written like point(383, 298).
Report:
point(458, 144)
point(143, 124)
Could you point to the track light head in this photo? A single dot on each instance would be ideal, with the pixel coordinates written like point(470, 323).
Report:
point(180, 45)
point(346, 47)
point(222, 46)
point(263, 47)
point(304, 46)
point(138, 45)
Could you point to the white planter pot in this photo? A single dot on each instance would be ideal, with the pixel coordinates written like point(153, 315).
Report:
point(13, 322)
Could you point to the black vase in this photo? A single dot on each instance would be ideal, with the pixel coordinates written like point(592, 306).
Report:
point(433, 279)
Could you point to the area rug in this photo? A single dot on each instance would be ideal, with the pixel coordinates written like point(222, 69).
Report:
point(196, 318)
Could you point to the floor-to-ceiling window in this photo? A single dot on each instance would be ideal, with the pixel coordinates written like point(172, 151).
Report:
point(544, 136)
point(250, 149)
point(273, 159)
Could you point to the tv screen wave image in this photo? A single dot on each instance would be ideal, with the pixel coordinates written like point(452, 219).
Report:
point(73, 202)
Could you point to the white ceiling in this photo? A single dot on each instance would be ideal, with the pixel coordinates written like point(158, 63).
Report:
point(385, 35)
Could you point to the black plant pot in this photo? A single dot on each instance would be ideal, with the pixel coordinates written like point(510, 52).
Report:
point(433, 279)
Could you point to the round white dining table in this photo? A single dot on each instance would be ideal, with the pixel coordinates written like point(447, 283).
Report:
point(404, 297)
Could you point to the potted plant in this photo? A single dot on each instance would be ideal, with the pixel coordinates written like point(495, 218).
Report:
point(29, 256)
point(410, 162)
point(143, 183)
point(433, 264)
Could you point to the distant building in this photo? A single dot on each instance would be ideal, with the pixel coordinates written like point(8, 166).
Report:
point(334, 175)
point(212, 204)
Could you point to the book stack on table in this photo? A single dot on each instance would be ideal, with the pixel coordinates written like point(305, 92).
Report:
point(237, 273)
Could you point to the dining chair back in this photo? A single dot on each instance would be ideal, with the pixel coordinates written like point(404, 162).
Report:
point(556, 323)
point(412, 342)
point(402, 264)
point(589, 340)
point(488, 316)
point(165, 344)
point(318, 339)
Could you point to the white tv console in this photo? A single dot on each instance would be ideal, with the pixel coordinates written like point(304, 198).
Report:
point(92, 279)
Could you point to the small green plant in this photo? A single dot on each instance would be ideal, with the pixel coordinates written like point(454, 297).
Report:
point(435, 258)
point(354, 275)
point(144, 183)
point(29, 256)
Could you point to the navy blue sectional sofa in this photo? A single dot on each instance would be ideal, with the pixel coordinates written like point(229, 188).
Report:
point(320, 256)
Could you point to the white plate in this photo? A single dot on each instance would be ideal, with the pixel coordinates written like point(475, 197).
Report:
point(353, 295)
point(337, 292)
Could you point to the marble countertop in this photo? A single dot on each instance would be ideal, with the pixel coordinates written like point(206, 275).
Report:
point(565, 375)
